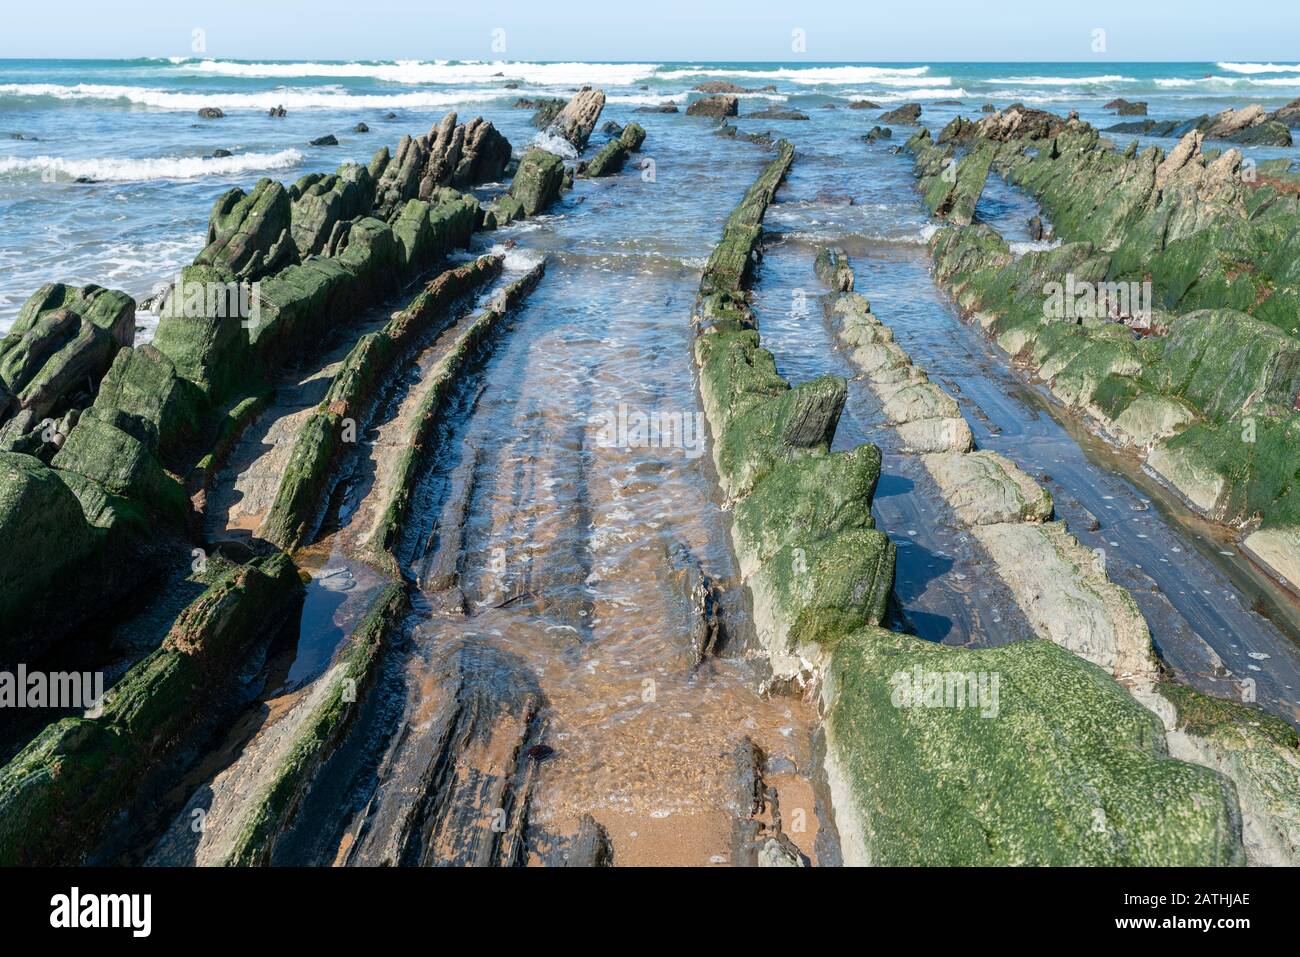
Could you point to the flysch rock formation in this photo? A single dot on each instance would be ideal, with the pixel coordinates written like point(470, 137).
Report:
point(819, 573)
point(1180, 387)
point(117, 467)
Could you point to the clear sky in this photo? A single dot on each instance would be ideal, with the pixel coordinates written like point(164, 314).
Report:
point(1196, 30)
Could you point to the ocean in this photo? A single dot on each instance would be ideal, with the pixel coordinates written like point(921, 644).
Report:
point(107, 173)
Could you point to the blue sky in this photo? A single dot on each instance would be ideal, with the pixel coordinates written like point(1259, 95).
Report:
point(1196, 30)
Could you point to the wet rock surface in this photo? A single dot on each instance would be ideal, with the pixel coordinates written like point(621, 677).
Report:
point(436, 616)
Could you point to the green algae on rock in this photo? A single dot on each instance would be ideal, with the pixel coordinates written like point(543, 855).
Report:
point(317, 447)
point(1053, 765)
point(1260, 753)
point(61, 793)
point(332, 708)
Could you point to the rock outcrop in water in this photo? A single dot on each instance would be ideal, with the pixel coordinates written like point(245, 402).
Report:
point(809, 551)
point(578, 118)
point(1228, 365)
point(1250, 126)
point(718, 105)
point(1204, 389)
point(951, 187)
point(450, 154)
point(905, 115)
point(121, 482)
point(819, 574)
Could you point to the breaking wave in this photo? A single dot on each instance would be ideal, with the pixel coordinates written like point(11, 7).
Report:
point(886, 76)
point(290, 98)
point(1259, 67)
point(439, 71)
point(156, 168)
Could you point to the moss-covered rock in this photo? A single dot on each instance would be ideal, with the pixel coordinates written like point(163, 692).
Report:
point(319, 441)
point(381, 547)
point(1258, 752)
point(832, 267)
point(144, 396)
point(320, 205)
point(798, 423)
point(736, 374)
point(336, 704)
point(1057, 766)
point(46, 538)
point(122, 464)
point(609, 160)
point(60, 793)
point(633, 136)
point(729, 265)
point(537, 182)
point(817, 590)
point(296, 309)
point(207, 345)
point(58, 349)
point(805, 499)
point(249, 233)
point(369, 250)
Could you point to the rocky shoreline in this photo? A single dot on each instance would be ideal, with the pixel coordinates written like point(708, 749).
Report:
point(122, 478)
point(819, 573)
point(272, 502)
point(1206, 386)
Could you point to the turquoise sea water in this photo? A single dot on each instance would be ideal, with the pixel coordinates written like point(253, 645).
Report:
point(113, 176)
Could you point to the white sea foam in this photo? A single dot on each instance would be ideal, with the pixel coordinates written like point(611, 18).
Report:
point(1064, 80)
point(926, 93)
point(288, 97)
point(1259, 67)
point(889, 76)
point(1212, 83)
point(1018, 249)
point(649, 99)
point(516, 258)
point(151, 168)
point(441, 71)
point(555, 144)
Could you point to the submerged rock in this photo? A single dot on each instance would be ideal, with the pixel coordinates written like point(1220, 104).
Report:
point(774, 113)
point(1126, 108)
point(905, 115)
point(718, 105)
point(329, 139)
point(578, 118)
point(210, 113)
point(722, 86)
